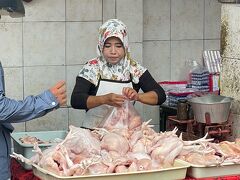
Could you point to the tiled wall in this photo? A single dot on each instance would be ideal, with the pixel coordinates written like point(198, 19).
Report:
point(176, 31)
point(57, 37)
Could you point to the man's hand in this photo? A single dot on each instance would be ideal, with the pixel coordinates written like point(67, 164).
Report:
point(59, 91)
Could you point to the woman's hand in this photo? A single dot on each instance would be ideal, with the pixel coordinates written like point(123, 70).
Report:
point(114, 99)
point(130, 93)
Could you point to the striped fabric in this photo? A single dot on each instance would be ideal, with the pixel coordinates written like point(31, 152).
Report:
point(212, 61)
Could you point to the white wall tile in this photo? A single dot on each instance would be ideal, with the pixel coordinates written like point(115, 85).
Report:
point(136, 51)
point(7, 18)
point(212, 18)
point(44, 43)
point(181, 52)
point(72, 72)
point(187, 19)
point(156, 58)
point(11, 44)
point(55, 120)
point(76, 117)
point(109, 9)
point(84, 10)
point(38, 79)
point(212, 44)
point(81, 41)
point(45, 10)
point(131, 13)
point(14, 83)
point(156, 19)
point(151, 112)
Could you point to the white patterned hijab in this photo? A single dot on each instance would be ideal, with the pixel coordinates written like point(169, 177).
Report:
point(121, 71)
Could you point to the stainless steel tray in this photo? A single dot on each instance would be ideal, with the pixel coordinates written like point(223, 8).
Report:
point(177, 172)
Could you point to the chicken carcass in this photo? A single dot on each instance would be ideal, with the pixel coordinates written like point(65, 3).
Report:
point(115, 142)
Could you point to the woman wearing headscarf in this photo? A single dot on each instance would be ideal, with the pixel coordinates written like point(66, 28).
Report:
point(112, 77)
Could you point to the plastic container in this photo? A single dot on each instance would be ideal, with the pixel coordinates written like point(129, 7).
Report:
point(201, 171)
point(26, 149)
point(177, 172)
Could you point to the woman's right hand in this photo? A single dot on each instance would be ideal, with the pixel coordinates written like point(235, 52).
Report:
point(114, 99)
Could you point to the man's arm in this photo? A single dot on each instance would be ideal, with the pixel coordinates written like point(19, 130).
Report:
point(32, 106)
point(12, 111)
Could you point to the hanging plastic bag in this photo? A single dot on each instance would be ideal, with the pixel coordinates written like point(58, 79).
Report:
point(125, 117)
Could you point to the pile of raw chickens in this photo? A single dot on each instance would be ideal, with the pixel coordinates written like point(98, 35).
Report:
point(126, 144)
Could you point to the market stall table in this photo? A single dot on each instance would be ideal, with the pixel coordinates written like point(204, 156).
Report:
point(165, 111)
point(19, 173)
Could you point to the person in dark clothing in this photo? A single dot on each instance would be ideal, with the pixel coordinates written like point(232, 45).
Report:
point(112, 77)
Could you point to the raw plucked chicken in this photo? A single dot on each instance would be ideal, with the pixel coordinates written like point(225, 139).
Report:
point(211, 154)
point(124, 143)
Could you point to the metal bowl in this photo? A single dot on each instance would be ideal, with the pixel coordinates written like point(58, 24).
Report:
point(211, 108)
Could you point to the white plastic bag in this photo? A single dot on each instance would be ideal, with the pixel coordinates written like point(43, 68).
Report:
point(125, 117)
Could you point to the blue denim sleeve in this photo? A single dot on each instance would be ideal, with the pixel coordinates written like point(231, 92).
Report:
point(13, 111)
